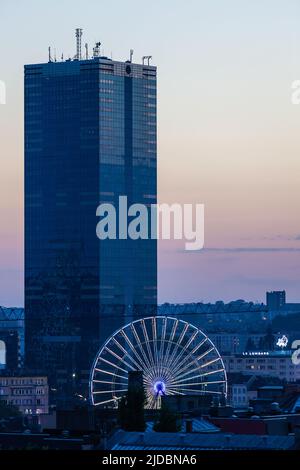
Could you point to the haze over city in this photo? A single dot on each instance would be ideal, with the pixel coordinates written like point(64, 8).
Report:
point(228, 135)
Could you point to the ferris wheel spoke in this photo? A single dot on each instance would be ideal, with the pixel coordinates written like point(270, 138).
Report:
point(170, 341)
point(184, 350)
point(200, 383)
point(162, 341)
point(167, 373)
point(109, 382)
point(133, 349)
point(173, 391)
point(189, 372)
point(147, 342)
point(197, 359)
point(139, 344)
point(200, 375)
point(148, 379)
point(126, 353)
point(177, 345)
point(208, 351)
point(115, 366)
point(217, 371)
point(112, 364)
point(106, 401)
point(121, 359)
point(189, 356)
point(202, 391)
point(215, 382)
point(209, 363)
point(110, 373)
point(102, 392)
point(151, 401)
point(154, 335)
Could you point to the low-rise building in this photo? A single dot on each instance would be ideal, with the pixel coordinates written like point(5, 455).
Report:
point(265, 363)
point(29, 393)
point(239, 395)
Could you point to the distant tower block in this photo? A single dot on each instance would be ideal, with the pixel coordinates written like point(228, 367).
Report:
point(78, 35)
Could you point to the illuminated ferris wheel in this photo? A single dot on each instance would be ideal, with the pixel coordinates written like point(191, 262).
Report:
point(176, 358)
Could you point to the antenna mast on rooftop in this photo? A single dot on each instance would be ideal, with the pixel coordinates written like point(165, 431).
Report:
point(86, 51)
point(146, 57)
point(96, 49)
point(78, 34)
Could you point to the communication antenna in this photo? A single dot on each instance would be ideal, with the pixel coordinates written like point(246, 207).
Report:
point(86, 50)
point(131, 54)
point(49, 54)
point(78, 34)
point(148, 58)
point(96, 49)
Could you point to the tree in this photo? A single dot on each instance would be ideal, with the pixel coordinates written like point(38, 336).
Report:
point(131, 410)
point(267, 342)
point(8, 411)
point(250, 346)
point(269, 339)
point(167, 421)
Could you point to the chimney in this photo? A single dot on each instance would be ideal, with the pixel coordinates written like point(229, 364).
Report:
point(78, 34)
point(189, 426)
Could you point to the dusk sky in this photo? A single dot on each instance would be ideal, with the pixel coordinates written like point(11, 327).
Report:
point(228, 135)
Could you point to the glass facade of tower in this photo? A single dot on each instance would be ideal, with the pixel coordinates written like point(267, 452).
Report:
point(90, 137)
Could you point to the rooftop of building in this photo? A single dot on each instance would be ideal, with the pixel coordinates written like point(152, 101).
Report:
point(96, 56)
point(192, 441)
point(236, 306)
point(199, 425)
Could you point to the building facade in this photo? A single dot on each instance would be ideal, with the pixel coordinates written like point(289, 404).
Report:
point(264, 363)
point(28, 393)
point(90, 137)
point(276, 299)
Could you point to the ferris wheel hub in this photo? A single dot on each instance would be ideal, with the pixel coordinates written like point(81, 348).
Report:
point(159, 388)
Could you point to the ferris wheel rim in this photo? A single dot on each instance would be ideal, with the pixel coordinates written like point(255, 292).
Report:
point(154, 319)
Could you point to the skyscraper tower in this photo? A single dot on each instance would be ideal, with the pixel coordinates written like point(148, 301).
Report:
point(90, 137)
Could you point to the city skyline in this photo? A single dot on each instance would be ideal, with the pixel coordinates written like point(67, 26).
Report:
point(228, 135)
